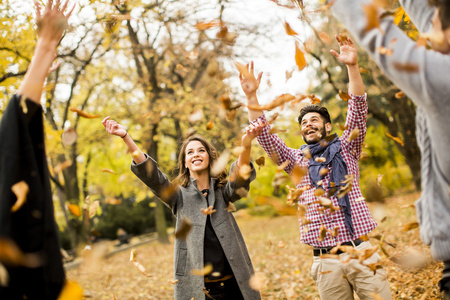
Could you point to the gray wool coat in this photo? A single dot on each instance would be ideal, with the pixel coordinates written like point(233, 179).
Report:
point(187, 202)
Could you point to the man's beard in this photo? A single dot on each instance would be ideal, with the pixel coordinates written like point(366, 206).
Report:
point(322, 133)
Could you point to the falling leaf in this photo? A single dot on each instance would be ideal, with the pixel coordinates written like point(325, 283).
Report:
point(343, 190)
point(283, 165)
point(410, 226)
point(184, 229)
point(62, 166)
point(325, 272)
point(385, 51)
point(69, 137)
point(360, 199)
point(20, 190)
point(173, 281)
point(376, 296)
point(363, 71)
point(322, 233)
point(133, 254)
point(324, 37)
point(289, 29)
point(396, 139)
point(289, 74)
point(298, 173)
point(167, 192)
point(319, 192)
point(113, 201)
point(375, 266)
point(280, 100)
point(353, 134)
point(74, 209)
point(141, 268)
point(208, 25)
point(220, 164)
point(208, 211)
point(71, 291)
point(320, 159)
point(231, 207)
point(210, 125)
point(344, 96)
point(260, 161)
point(93, 208)
point(196, 116)
point(83, 114)
point(314, 99)
point(406, 67)
point(299, 58)
point(371, 12)
point(245, 171)
point(257, 281)
point(306, 153)
point(192, 55)
point(203, 272)
point(399, 95)
point(324, 171)
point(275, 130)
point(109, 171)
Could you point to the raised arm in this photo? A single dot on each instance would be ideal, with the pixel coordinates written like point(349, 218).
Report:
point(250, 84)
point(251, 132)
point(349, 57)
point(51, 23)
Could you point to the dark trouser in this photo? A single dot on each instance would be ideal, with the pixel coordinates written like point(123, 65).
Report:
point(444, 283)
point(223, 290)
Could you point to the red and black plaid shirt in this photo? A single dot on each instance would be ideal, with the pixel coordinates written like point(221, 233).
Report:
point(363, 221)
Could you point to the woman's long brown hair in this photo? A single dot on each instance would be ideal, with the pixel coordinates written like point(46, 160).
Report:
point(183, 174)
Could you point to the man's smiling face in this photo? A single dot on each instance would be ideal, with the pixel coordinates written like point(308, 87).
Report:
point(314, 128)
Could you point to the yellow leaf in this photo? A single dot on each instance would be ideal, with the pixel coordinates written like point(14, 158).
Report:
point(83, 114)
point(371, 12)
point(398, 15)
point(74, 209)
point(395, 139)
point(289, 29)
point(206, 270)
point(71, 291)
point(21, 190)
point(299, 58)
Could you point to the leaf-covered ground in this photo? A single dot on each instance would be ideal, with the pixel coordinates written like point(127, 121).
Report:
point(275, 250)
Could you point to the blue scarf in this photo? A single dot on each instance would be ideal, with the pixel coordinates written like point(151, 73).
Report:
point(331, 152)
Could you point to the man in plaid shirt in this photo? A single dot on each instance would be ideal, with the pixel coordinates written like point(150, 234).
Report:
point(333, 172)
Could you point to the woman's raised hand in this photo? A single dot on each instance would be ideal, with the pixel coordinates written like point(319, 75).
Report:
point(114, 128)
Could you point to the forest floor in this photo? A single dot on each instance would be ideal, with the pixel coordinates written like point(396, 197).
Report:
point(274, 248)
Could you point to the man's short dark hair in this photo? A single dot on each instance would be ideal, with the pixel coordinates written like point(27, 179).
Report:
point(444, 11)
point(317, 109)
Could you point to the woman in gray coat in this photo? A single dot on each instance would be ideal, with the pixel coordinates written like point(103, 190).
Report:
point(202, 199)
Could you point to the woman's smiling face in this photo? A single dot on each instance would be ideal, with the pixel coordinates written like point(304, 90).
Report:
point(197, 158)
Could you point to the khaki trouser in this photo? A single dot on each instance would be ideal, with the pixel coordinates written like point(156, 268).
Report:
point(346, 278)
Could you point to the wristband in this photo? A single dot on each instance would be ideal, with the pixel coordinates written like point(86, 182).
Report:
point(124, 135)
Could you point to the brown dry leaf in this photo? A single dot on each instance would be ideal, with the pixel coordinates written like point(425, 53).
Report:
point(20, 190)
point(208, 211)
point(220, 164)
point(289, 29)
point(325, 272)
point(376, 296)
point(320, 159)
point(74, 209)
point(289, 74)
point(302, 210)
point(257, 281)
point(205, 271)
point(375, 266)
point(222, 32)
point(210, 125)
point(363, 71)
point(192, 55)
point(208, 25)
point(226, 101)
point(167, 192)
point(319, 192)
point(299, 58)
point(10, 253)
point(280, 100)
point(109, 171)
point(395, 139)
point(371, 12)
point(410, 226)
point(399, 95)
point(133, 254)
point(93, 208)
point(83, 114)
point(367, 253)
point(353, 134)
point(62, 166)
point(344, 96)
point(69, 137)
point(406, 67)
point(113, 201)
point(335, 231)
point(348, 185)
point(322, 233)
point(260, 161)
point(298, 173)
point(141, 268)
point(245, 171)
point(325, 202)
point(283, 165)
point(324, 37)
point(273, 118)
point(231, 207)
point(385, 51)
point(184, 229)
point(306, 153)
point(314, 99)
point(173, 281)
point(324, 171)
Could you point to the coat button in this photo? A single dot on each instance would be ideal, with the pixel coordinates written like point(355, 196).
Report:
point(231, 258)
point(221, 236)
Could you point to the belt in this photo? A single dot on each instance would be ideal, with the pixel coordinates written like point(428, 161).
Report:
point(220, 279)
point(326, 250)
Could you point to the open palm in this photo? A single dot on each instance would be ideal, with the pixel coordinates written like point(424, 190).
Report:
point(347, 49)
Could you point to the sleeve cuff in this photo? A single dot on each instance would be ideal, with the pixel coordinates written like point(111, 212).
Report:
point(358, 98)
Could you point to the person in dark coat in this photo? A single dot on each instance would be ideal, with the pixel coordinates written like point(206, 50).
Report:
point(29, 242)
point(201, 196)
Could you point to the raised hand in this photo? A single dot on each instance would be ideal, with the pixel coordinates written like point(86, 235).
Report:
point(249, 82)
point(348, 54)
point(52, 21)
point(251, 132)
point(114, 128)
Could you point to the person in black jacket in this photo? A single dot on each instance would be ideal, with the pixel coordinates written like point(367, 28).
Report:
point(28, 229)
